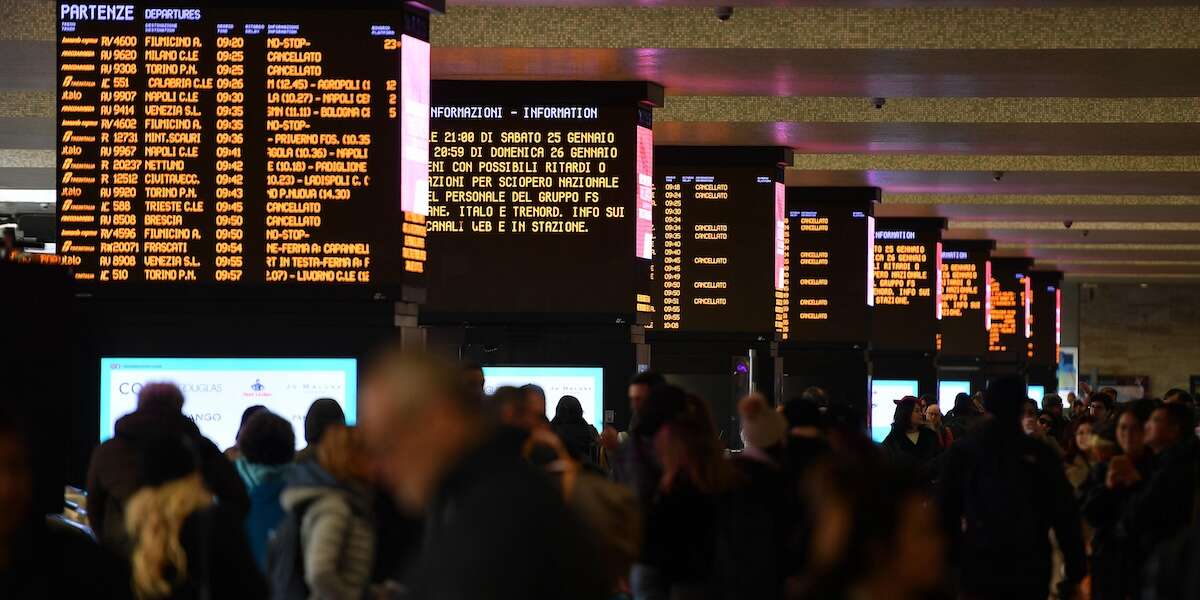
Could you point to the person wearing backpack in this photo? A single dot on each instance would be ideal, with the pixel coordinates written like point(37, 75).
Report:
point(185, 546)
point(1001, 493)
point(325, 547)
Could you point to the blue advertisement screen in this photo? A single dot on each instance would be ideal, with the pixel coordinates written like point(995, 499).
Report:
point(948, 389)
point(1036, 392)
point(884, 394)
point(585, 383)
point(217, 390)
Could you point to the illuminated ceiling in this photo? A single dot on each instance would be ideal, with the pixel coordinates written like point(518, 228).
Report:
point(1090, 108)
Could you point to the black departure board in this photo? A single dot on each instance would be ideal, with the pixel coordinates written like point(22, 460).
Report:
point(213, 145)
point(1046, 317)
point(719, 253)
point(829, 240)
point(966, 294)
point(908, 262)
point(540, 199)
point(1008, 338)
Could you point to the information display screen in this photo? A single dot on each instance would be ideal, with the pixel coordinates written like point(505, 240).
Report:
point(1008, 338)
point(830, 262)
point(966, 317)
point(1046, 317)
point(716, 267)
point(212, 145)
point(217, 390)
point(541, 199)
point(586, 384)
point(884, 394)
point(908, 257)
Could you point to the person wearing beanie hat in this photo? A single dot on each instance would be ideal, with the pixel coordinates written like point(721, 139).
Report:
point(183, 544)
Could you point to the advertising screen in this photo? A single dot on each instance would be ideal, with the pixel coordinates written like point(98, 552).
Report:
point(585, 383)
point(217, 390)
point(224, 147)
point(1037, 392)
point(884, 394)
point(948, 389)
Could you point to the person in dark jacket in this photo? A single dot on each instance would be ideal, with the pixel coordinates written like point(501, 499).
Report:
point(909, 444)
point(680, 548)
point(40, 558)
point(268, 445)
point(1001, 493)
point(755, 527)
point(577, 435)
point(113, 473)
point(234, 452)
point(183, 545)
point(1165, 503)
point(1052, 405)
point(496, 527)
point(963, 419)
point(1105, 496)
point(322, 414)
point(1100, 406)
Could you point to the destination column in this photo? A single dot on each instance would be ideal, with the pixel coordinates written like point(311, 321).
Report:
point(172, 223)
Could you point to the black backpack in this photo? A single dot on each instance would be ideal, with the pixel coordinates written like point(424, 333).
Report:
point(285, 558)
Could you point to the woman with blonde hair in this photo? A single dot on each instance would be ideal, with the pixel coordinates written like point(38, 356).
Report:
point(333, 504)
point(185, 546)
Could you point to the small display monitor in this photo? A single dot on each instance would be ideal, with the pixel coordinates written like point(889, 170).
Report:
point(1037, 392)
point(217, 390)
point(585, 383)
point(948, 389)
point(884, 394)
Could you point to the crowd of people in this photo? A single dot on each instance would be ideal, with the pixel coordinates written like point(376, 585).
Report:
point(445, 492)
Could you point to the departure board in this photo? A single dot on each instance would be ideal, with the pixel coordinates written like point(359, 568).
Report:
point(830, 264)
point(1008, 339)
point(220, 146)
point(540, 199)
point(908, 263)
point(966, 297)
point(1046, 317)
point(719, 255)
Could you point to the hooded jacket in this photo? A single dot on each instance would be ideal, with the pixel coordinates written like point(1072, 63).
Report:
point(337, 532)
point(113, 475)
point(578, 435)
